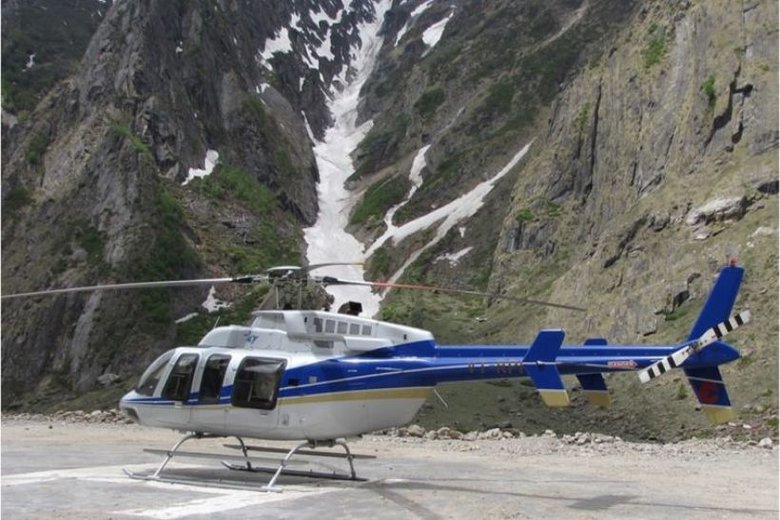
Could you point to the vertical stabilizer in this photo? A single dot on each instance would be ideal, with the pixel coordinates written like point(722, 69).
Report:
point(720, 301)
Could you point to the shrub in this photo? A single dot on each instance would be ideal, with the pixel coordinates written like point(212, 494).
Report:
point(429, 101)
point(708, 87)
point(36, 149)
point(524, 215)
point(123, 130)
point(656, 48)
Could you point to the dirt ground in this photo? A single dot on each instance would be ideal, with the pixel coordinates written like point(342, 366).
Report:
point(60, 469)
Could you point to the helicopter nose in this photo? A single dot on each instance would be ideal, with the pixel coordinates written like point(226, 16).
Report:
point(126, 408)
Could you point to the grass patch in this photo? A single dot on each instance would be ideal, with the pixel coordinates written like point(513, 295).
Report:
point(90, 239)
point(378, 199)
point(231, 181)
point(429, 102)
point(254, 108)
point(524, 215)
point(380, 264)
point(708, 87)
point(582, 118)
point(124, 131)
point(499, 98)
point(17, 198)
point(36, 148)
point(655, 50)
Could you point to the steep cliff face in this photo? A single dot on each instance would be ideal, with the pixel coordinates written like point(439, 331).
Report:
point(657, 162)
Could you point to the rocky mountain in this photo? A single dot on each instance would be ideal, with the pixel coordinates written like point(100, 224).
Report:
point(606, 153)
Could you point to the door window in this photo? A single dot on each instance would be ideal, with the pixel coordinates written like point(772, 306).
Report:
point(177, 388)
point(213, 376)
point(257, 383)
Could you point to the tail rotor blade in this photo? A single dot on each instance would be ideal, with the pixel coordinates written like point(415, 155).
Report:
point(709, 337)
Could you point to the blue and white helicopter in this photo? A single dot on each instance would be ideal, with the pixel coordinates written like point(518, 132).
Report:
point(321, 377)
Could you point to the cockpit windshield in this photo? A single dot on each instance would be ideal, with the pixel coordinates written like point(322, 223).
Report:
point(152, 375)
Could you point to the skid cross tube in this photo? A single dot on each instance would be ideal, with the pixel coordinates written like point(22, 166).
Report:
point(312, 445)
point(170, 454)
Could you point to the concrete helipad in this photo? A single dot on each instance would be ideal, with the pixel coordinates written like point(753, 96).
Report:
point(59, 470)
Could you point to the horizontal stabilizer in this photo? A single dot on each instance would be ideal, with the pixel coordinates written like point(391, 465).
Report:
point(539, 364)
point(595, 389)
point(709, 337)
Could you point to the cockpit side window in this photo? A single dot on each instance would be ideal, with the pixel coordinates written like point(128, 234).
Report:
point(257, 383)
point(213, 376)
point(152, 375)
point(177, 388)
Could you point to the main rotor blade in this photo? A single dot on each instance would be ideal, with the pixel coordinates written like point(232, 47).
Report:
point(312, 267)
point(329, 280)
point(141, 285)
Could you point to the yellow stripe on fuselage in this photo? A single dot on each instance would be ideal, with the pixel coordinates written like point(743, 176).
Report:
point(358, 395)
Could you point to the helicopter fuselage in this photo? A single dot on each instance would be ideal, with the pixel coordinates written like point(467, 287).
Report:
point(314, 375)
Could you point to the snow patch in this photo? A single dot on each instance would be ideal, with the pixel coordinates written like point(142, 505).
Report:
point(454, 258)
point(432, 34)
point(280, 43)
point(321, 16)
point(212, 158)
point(420, 9)
point(462, 231)
point(212, 304)
point(188, 317)
point(308, 127)
point(764, 231)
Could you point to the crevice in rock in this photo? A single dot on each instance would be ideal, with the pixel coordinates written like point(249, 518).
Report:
point(594, 133)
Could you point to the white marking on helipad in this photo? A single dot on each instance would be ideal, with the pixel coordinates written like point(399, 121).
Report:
point(95, 473)
point(228, 500)
point(223, 499)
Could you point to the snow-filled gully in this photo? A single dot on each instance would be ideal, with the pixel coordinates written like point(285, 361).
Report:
point(327, 239)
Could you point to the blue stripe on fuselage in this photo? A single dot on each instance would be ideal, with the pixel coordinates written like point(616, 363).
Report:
point(423, 363)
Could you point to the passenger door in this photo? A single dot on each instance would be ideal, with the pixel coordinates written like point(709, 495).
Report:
point(178, 388)
point(208, 414)
point(255, 392)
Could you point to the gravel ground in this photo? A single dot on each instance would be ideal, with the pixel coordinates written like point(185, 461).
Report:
point(67, 466)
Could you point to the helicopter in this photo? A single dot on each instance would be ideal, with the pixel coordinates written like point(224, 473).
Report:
point(321, 377)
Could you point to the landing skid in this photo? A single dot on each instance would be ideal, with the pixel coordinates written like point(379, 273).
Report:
point(245, 462)
point(282, 469)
